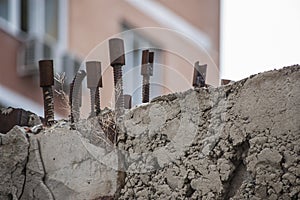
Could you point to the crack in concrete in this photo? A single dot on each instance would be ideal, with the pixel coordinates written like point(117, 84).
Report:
point(44, 169)
point(238, 175)
point(25, 168)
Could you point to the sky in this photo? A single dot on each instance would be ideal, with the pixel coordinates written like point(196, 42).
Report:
point(258, 35)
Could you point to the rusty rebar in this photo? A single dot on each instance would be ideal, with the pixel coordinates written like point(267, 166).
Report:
point(146, 89)
point(146, 72)
point(117, 58)
point(92, 101)
point(119, 98)
point(94, 81)
point(46, 82)
point(127, 101)
point(75, 95)
point(199, 75)
point(97, 101)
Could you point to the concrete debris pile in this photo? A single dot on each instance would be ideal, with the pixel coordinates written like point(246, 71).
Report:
point(238, 141)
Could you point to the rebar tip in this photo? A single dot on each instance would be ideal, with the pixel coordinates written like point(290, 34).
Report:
point(116, 52)
point(94, 78)
point(127, 101)
point(147, 63)
point(145, 57)
point(46, 73)
point(151, 57)
point(199, 77)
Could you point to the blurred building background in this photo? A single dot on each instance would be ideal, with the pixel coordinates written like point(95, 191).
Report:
point(68, 30)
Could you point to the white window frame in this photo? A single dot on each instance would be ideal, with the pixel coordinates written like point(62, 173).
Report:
point(37, 28)
point(37, 25)
point(10, 25)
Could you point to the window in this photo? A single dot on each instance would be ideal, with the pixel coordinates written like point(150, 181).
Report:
point(51, 18)
point(42, 24)
point(24, 15)
point(4, 6)
point(43, 19)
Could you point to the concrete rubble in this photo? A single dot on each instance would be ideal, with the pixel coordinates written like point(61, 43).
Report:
point(238, 141)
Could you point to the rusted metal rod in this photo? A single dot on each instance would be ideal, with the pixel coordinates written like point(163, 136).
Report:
point(46, 82)
point(97, 99)
point(146, 72)
point(199, 75)
point(75, 95)
point(127, 101)
point(117, 60)
point(94, 81)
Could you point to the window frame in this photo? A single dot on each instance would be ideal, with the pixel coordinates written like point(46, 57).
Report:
point(36, 25)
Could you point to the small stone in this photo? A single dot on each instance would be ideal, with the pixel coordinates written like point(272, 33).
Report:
point(191, 174)
point(164, 189)
point(273, 197)
point(270, 155)
point(143, 194)
point(277, 187)
point(145, 178)
point(290, 177)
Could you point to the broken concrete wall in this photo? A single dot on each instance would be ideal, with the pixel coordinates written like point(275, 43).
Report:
point(239, 141)
point(13, 158)
point(57, 163)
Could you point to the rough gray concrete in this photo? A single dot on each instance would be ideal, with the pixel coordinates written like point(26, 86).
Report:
point(239, 141)
point(58, 163)
point(13, 159)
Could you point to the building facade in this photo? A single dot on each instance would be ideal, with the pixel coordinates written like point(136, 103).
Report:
point(73, 31)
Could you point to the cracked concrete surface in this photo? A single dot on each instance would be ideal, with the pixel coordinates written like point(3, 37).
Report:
point(57, 163)
point(13, 158)
point(238, 141)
